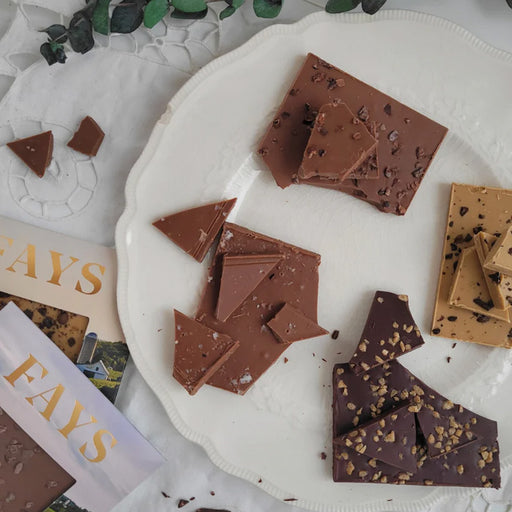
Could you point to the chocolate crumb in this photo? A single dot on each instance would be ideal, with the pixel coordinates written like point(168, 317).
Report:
point(165, 495)
point(212, 493)
point(454, 345)
point(393, 136)
point(285, 360)
point(463, 210)
point(448, 359)
point(260, 480)
point(335, 334)
point(182, 502)
point(290, 499)
point(387, 109)
point(323, 455)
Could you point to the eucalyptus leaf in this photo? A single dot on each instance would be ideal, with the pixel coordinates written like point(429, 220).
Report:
point(88, 10)
point(188, 15)
point(372, 6)
point(80, 33)
point(59, 52)
point(227, 12)
point(190, 6)
point(236, 3)
point(267, 8)
point(155, 11)
point(509, 2)
point(57, 33)
point(335, 6)
point(127, 17)
point(100, 17)
point(47, 52)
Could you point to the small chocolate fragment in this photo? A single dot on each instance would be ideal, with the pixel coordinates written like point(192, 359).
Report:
point(195, 230)
point(241, 274)
point(88, 138)
point(182, 502)
point(211, 510)
point(36, 151)
point(335, 334)
point(390, 331)
point(198, 352)
point(291, 325)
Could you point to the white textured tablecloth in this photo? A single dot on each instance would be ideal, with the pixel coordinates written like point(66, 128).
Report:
point(125, 84)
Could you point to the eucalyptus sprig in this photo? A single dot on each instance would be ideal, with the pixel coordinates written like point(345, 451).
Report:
point(125, 16)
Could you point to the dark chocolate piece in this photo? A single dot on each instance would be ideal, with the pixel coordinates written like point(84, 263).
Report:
point(195, 230)
point(290, 325)
point(36, 151)
point(294, 280)
point(88, 138)
point(198, 352)
point(241, 274)
point(407, 139)
point(390, 331)
point(338, 145)
point(27, 473)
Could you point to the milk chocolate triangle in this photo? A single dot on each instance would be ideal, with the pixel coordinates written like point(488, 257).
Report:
point(290, 325)
point(35, 151)
point(195, 230)
point(88, 138)
point(198, 352)
point(241, 274)
point(390, 331)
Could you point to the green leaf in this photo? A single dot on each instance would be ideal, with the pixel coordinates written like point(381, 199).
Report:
point(227, 12)
point(372, 6)
point(267, 8)
point(155, 11)
point(188, 15)
point(334, 6)
point(100, 17)
point(127, 16)
point(47, 52)
point(80, 33)
point(190, 6)
point(57, 33)
point(238, 3)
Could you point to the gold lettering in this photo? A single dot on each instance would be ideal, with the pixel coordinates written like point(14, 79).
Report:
point(57, 267)
point(94, 280)
point(30, 261)
point(100, 447)
point(23, 369)
point(10, 241)
point(73, 421)
point(50, 404)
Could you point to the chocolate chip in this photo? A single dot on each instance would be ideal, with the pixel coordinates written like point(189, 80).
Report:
point(285, 115)
point(294, 92)
point(393, 136)
point(63, 318)
point(356, 136)
point(468, 238)
point(335, 334)
point(452, 319)
point(420, 152)
point(463, 210)
point(318, 77)
point(450, 224)
point(321, 152)
point(276, 123)
point(47, 323)
point(436, 331)
point(71, 342)
point(477, 230)
point(387, 109)
point(418, 172)
point(484, 305)
point(448, 256)
point(29, 313)
point(363, 113)
point(495, 277)
point(331, 84)
point(509, 335)
point(42, 311)
point(510, 251)
point(482, 319)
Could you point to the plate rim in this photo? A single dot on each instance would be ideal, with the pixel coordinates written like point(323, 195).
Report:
point(122, 243)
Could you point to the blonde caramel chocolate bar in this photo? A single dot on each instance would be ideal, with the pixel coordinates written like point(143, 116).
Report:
point(472, 209)
point(499, 258)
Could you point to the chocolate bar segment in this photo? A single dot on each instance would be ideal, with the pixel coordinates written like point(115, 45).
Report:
point(30, 478)
point(88, 138)
point(35, 151)
point(499, 258)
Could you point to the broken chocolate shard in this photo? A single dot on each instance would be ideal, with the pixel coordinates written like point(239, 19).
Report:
point(241, 274)
point(195, 230)
point(390, 331)
point(198, 352)
point(389, 438)
point(88, 138)
point(499, 258)
point(27, 473)
point(291, 325)
point(35, 151)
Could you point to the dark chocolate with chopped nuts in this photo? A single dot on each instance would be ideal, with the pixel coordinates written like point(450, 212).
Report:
point(390, 331)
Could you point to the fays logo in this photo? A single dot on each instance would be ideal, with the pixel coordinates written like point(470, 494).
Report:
point(50, 402)
point(28, 260)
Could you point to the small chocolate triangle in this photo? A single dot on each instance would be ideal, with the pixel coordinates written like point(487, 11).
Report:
point(290, 325)
point(36, 151)
point(390, 438)
point(241, 274)
point(195, 230)
point(198, 352)
point(88, 138)
point(390, 331)
point(443, 433)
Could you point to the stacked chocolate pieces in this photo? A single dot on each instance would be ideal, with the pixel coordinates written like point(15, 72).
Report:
point(334, 131)
point(390, 427)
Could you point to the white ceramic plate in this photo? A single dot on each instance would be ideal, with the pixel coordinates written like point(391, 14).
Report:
point(201, 150)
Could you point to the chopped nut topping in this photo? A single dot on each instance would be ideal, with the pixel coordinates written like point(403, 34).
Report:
point(341, 384)
point(431, 439)
point(448, 404)
point(350, 468)
point(390, 438)
point(428, 482)
point(460, 469)
point(362, 474)
point(351, 406)
point(380, 299)
point(403, 298)
point(372, 463)
point(360, 448)
point(395, 325)
point(362, 347)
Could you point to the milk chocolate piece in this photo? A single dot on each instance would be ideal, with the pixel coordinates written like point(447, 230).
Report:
point(499, 258)
point(88, 138)
point(36, 151)
point(390, 331)
point(338, 145)
point(195, 230)
point(469, 290)
point(294, 280)
point(198, 352)
point(471, 210)
point(290, 325)
point(407, 140)
point(27, 473)
point(67, 330)
point(241, 274)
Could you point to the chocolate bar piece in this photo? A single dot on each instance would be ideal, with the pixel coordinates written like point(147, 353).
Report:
point(390, 331)
point(88, 138)
point(291, 325)
point(499, 258)
point(407, 140)
point(241, 274)
point(35, 151)
point(195, 230)
point(198, 352)
point(338, 145)
point(471, 210)
point(30, 478)
point(294, 280)
point(67, 330)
